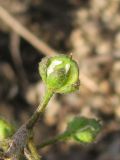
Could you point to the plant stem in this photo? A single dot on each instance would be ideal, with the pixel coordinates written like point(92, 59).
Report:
point(33, 150)
point(51, 141)
point(27, 154)
point(40, 109)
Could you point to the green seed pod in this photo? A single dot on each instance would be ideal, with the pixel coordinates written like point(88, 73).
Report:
point(84, 129)
point(6, 129)
point(60, 74)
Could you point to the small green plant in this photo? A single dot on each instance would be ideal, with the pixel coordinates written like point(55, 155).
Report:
point(60, 75)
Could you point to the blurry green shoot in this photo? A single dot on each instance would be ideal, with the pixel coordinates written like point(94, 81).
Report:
point(80, 129)
point(6, 129)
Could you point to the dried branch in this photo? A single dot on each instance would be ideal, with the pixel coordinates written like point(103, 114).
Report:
point(24, 33)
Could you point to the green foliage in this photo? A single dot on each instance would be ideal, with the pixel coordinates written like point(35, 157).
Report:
point(83, 129)
point(6, 129)
point(60, 74)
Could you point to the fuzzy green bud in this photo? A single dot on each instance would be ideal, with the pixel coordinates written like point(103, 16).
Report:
point(6, 129)
point(84, 129)
point(60, 73)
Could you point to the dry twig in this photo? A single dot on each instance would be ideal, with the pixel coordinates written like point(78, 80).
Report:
point(17, 60)
point(24, 33)
point(39, 44)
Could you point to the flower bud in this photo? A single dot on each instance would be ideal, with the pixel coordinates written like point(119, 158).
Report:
point(6, 129)
point(84, 130)
point(89, 132)
point(85, 136)
point(60, 74)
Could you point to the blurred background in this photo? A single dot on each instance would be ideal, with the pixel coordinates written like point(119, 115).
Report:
point(90, 29)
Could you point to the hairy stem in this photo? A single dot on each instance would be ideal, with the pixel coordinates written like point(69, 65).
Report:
point(21, 137)
point(40, 109)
